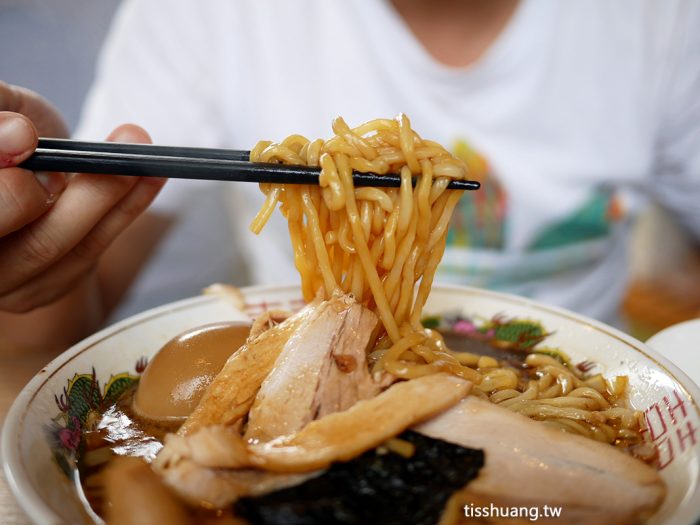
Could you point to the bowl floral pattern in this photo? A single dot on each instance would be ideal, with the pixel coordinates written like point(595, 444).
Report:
point(81, 405)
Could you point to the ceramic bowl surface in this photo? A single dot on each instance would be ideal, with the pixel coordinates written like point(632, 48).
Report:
point(43, 427)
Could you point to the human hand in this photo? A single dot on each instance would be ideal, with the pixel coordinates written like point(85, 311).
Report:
point(54, 227)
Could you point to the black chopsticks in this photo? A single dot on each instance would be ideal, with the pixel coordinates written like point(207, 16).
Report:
point(143, 149)
point(146, 160)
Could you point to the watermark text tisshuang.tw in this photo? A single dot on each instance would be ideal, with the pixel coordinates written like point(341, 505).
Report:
point(532, 513)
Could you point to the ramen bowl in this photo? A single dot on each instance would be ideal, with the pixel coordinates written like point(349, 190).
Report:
point(42, 433)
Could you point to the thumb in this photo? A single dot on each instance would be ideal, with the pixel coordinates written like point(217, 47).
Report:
point(18, 138)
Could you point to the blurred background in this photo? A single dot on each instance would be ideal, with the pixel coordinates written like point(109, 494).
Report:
point(55, 44)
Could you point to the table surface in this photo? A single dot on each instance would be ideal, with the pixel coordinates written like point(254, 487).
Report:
point(15, 372)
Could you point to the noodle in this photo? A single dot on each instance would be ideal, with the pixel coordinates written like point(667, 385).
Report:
point(383, 246)
point(562, 397)
point(377, 244)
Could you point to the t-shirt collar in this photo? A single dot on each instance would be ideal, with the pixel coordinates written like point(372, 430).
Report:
point(499, 59)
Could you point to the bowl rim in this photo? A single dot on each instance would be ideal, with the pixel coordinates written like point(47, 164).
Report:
point(39, 512)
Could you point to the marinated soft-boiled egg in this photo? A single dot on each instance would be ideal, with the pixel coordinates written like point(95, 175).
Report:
point(175, 379)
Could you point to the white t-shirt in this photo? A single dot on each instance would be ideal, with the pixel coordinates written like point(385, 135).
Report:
point(582, 109)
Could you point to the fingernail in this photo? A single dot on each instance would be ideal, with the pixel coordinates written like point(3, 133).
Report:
point(16, 136)
point(53, 183)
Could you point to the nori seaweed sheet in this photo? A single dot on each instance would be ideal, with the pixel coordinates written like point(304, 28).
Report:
point(375, 488)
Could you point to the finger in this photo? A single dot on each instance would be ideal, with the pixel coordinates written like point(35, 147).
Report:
point(64, 275)
point(46, 118)
point(130, 133)
point(25, 196)
point(18, 138)
point(31, 250)
point(87, 198)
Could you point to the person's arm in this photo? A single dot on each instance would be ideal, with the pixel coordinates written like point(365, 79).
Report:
point(55, 228)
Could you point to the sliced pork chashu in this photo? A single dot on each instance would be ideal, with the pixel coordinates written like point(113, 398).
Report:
point(232, 392)
point(217, 465)
point(342, 436)
point(194, 466)
point(530, 464)
point(322, 369)
point(134, 495)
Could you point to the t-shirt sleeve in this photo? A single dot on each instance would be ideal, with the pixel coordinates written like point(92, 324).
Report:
point(676, 184)
point(157, 71)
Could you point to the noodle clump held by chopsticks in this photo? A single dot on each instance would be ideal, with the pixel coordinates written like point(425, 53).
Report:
point(379, 244)
point(383, 245)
